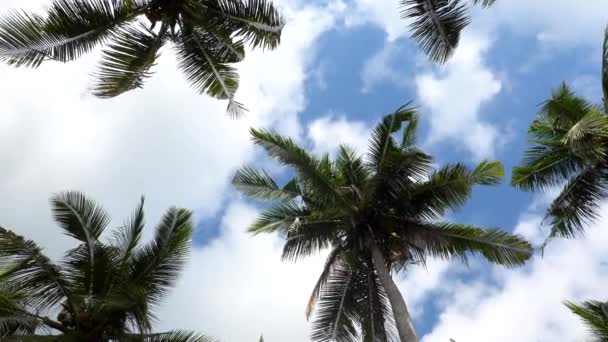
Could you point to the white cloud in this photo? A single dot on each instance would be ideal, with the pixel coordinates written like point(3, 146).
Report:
point(526, 304)
point(328, 132)
point(560, 22)
point(384, 67)
point(455, 94)
point(382, 13)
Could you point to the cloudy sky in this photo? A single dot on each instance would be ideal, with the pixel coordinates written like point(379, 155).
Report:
point(342, 64)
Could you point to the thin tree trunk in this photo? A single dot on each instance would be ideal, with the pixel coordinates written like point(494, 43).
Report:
point(404, 323)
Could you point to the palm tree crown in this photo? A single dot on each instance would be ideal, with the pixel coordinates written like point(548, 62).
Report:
point(101, 291)
point(208, 36)
point(437, 24)
point(569, 150)
point(376, 214)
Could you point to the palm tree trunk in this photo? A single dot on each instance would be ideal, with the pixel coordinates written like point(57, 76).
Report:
point(404, 323)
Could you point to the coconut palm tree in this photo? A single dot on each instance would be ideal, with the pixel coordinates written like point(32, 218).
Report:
point(436, 24)
point(101, 291)
point(377, 216)
point(569, 149)
point(595, 316)
point(208, 36)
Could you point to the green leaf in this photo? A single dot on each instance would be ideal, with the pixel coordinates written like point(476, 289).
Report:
point(258, 22)
point(203, 59)
point(578, 203)
point(127, 61)
point(70, 29)
point(259, 185)
point(171, 336)
point(437, 25)
point(593, 316)
point(449, 240)
point(488, 173)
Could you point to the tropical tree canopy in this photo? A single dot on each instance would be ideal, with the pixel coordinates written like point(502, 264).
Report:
point(100, 291)
point(436, 24)
point(374, 214)
point(569, 149)
point(594, 315)
point(208, 37)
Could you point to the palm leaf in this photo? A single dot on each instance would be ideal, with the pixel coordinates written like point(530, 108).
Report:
point(171, 336)
point(437, 25)
point(203, 60)
point(578, 203)
point(258, 184)
point(127, 61)
point(128, 237)
point(258, 22)
point(28, 268)
point(447, 240)
point(156, 266)
point(308, 167)
point(70, 29)
point(593, 314)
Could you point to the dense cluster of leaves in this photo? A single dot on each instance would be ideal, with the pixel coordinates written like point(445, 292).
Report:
point(208, 36)
point(393, 199)
point(100, 291)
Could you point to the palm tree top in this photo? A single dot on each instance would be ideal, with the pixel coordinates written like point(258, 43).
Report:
point(382, 210)
point(101, 290)
point(208, 37)
point(569, 149)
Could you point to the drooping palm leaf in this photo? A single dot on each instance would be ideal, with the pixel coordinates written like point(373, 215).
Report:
point(594, 315)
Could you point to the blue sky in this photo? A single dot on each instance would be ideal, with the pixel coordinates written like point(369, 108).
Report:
point(341, 66)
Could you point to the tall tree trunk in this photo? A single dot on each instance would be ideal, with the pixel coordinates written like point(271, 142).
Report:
point(404, 323)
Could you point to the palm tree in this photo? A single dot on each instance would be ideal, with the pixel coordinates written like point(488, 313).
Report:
point(570, 150)
point(101, 291)
point(595, 316)
point(437, 24)
point(208, 36)
point(377, 217)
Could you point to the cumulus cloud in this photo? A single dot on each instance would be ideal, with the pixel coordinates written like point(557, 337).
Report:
point(455, 94)
point(384, 67)
point(328, 132)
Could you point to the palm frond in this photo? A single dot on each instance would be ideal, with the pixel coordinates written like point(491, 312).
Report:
point(203, 59)
point(484, 3)
point(447, 240)
point(279, 218)
point(381, 142)
point(70, 29)
point(593, 314)
point(126, 62)
point(80, 217)
point(309, 168)
point(258, 184)
point(258, 22)
point(310, 235)
point(156, 266)
point(171, 336)
point(28, 268)
point(437, 25)
point(332, 261)
point(334, 316)
point(128, 237)
point(578, 203)
point(488, 173)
